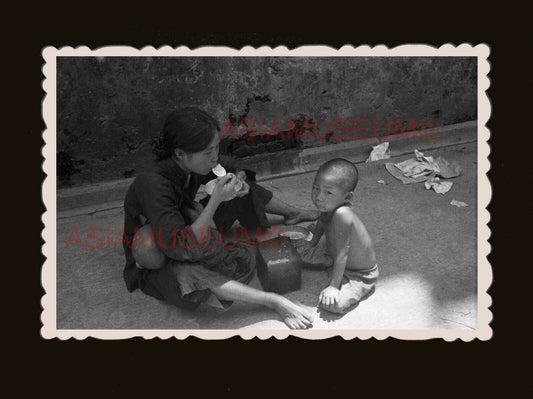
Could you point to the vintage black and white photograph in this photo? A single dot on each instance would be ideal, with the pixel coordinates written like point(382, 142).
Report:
point(266, 192)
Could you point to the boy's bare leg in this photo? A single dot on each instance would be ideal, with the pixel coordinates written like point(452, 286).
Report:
point(293, 315)
point(292, 214)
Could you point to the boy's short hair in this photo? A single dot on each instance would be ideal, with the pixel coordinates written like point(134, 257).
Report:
point(347, 172)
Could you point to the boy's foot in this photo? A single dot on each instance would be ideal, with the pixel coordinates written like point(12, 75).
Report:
point(301, 215)
point(293, 315)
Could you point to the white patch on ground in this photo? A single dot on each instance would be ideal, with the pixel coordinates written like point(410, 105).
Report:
point(400, 302)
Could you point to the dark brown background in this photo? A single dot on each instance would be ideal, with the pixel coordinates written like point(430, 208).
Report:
point(429, 367)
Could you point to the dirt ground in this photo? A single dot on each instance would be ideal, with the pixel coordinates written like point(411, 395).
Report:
point(426, 250)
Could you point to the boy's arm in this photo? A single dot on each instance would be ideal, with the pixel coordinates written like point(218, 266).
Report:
point(339, 265)
point(318, 232)
point(330, 295)
point(342, 223)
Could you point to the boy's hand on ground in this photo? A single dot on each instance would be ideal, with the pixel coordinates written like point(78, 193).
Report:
point(329, 296)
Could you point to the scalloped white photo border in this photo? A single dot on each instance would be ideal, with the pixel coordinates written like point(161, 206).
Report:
point(49, 218)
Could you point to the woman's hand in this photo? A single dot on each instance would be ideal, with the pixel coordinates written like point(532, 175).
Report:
point(241, 174)
point(244, 190)
point(225, 188)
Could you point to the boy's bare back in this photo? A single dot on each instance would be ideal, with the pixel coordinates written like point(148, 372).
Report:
point(346, 234)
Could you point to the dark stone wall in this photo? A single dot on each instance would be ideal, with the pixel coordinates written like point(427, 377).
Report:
point(109, 109)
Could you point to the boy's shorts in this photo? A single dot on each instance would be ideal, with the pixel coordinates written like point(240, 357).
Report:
point(356, 285)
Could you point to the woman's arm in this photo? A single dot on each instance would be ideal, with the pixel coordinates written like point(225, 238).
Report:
point(223, 191)
point(175, 238)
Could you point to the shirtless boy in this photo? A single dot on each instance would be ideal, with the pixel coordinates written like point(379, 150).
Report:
point(347, 246)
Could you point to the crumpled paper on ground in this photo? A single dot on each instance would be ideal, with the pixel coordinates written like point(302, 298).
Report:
point(458, 204)
point(422, 168)
point(440, 187)
point(380, 151)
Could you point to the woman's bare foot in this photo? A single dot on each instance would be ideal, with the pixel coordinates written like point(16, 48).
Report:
point(301, 215)
point(293, 315)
